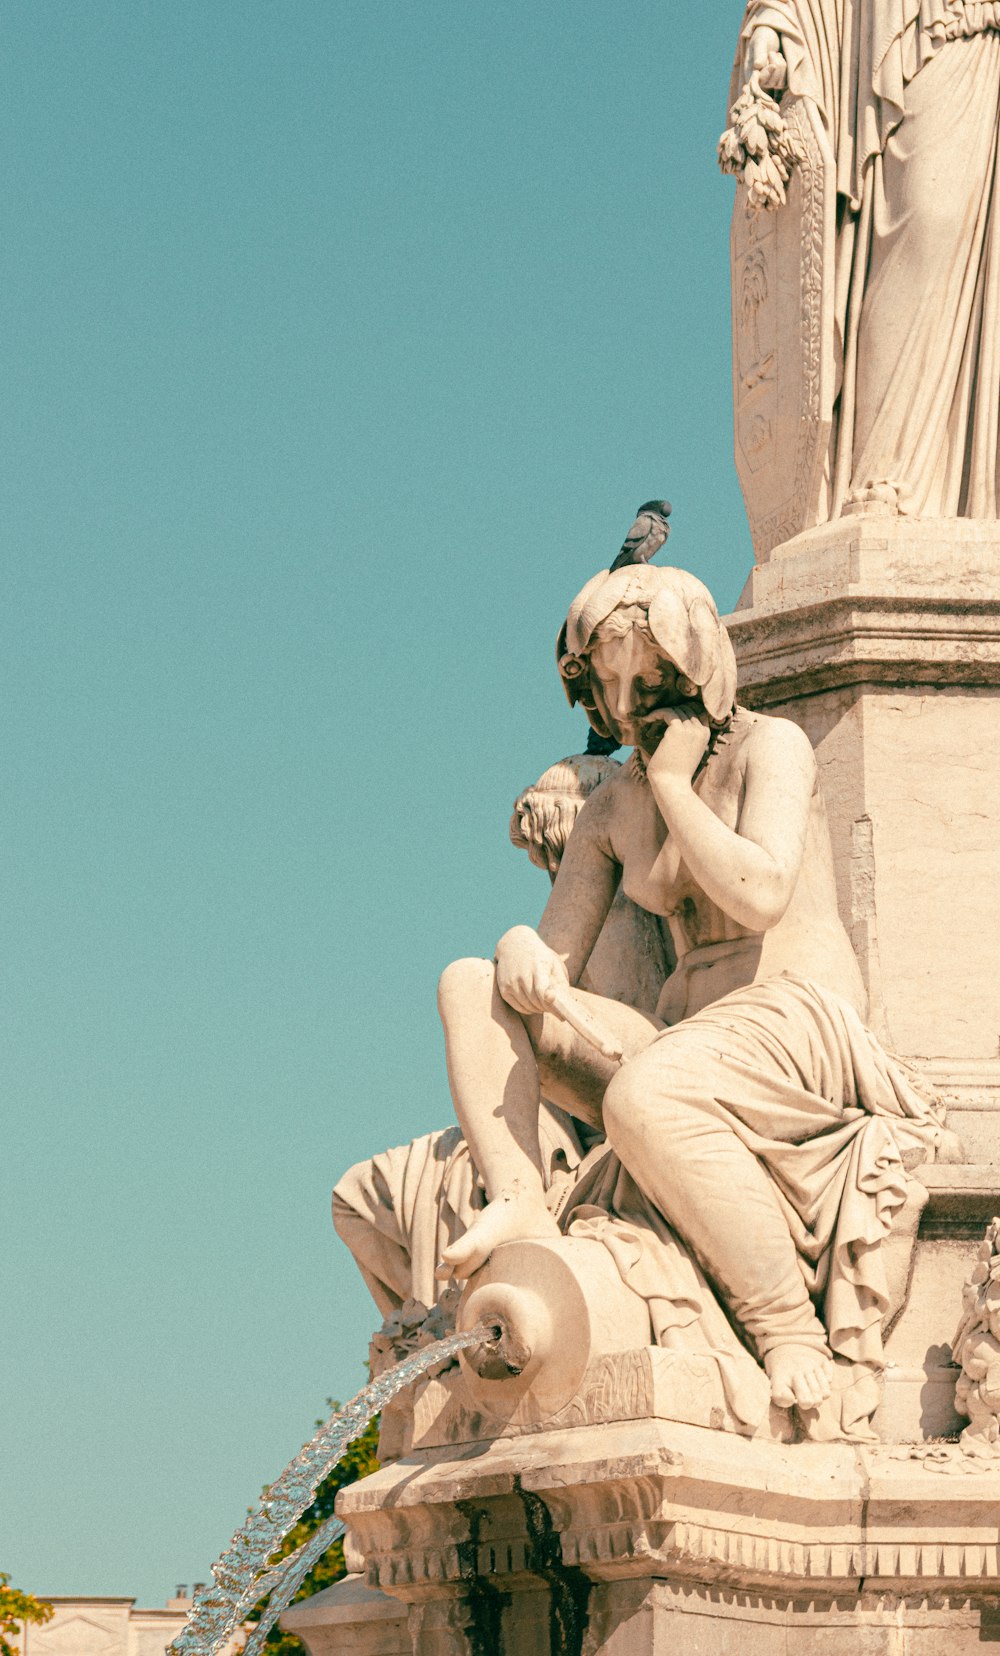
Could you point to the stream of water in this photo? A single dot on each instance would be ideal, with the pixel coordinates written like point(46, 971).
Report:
point(242, 1577)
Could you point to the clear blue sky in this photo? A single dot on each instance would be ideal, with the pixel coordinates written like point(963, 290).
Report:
point(339, 343)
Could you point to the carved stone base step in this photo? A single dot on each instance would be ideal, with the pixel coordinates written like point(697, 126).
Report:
point(657, 1618)
point(350, 1617)
point(648, 1383)
point(961, 1201)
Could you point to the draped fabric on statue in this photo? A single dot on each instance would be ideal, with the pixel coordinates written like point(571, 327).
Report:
point(398, 1211)
point(788, 1069)
point(909, 93)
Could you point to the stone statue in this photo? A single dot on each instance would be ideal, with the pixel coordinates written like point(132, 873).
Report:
point(759, 1136)
point(885, 336)
point(976, 1347)
point(400, 1209)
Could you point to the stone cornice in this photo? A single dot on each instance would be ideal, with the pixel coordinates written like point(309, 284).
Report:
point(899, 642)
point(652, 1499)
point(886, 602)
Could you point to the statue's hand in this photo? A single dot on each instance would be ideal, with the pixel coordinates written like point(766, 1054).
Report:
point(763, 58)
point(530, 975)
point(682, 746)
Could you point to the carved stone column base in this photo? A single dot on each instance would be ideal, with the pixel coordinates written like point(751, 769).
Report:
point(672, 1618)
point(350, 1617)
point(881, 638)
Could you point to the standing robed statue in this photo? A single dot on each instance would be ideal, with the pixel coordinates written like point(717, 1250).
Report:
point(866, 305)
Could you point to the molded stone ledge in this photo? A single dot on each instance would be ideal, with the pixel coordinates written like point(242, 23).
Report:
point(930, 558)
point(652, 1617)
point(646, 1499)
point(961, 1200)
point(669, 1618)
point(878, 601)
point(971, 1091)
point(849, 640)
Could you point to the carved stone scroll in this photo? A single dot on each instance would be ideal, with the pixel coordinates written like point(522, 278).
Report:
point(783, 359)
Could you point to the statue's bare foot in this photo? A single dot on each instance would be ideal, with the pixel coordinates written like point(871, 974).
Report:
point(510, 1217)
point(799, 1375)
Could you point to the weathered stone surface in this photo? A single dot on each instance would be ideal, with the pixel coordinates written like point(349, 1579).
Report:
point(664, 1617)
point(350, 1619)
point(783, 360)
point(881, 638)
point(643, 1536)
point(667, 1618)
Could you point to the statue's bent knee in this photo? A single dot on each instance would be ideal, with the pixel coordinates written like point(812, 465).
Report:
point(642, 1107)
point(464, 980)
point(622, 1107)
point(353, 1206)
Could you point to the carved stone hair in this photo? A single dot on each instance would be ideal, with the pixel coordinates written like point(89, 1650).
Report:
point(681, 618)
point(544, 814)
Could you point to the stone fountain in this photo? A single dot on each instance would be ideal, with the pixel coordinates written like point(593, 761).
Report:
point(628, 1460)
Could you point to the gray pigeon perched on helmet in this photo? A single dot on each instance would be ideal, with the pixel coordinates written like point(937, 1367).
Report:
point(682, 619)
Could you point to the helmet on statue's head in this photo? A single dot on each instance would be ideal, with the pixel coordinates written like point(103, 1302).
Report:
point(681, 618)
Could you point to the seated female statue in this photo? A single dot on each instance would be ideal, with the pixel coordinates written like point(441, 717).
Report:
point(758, 1118)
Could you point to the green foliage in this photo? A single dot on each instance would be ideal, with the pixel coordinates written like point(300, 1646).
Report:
point(359, 1460)
point(18, 1607)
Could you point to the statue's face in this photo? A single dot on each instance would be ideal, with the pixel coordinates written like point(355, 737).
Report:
point(630, 678)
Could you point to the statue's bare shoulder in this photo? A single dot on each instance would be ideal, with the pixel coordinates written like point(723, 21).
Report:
point(779, 742)
point(601, 811)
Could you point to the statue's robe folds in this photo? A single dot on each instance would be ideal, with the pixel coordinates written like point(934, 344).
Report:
point(786, 1069)
point(398, 1211)
point(909, 94)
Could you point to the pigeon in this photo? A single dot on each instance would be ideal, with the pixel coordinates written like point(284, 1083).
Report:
point(647, 534)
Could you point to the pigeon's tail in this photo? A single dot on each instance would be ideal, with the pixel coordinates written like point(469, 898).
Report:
point(601, 747)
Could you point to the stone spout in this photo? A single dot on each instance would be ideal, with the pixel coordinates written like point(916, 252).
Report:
point(553, 1308)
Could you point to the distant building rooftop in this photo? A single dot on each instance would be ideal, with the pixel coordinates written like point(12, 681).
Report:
point(109, 1627)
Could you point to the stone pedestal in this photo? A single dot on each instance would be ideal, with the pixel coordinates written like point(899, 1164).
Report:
point(881, 638)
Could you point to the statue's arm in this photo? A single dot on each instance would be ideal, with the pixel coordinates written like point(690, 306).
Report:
point(775, 41)
point(750, 873)
point(585, 886)
point(534, 967)
point(761, 41)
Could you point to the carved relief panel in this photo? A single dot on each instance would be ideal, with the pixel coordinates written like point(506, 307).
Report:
point(782, 307)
